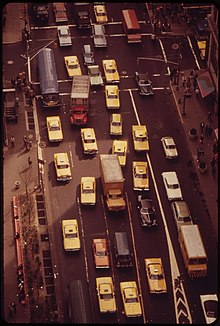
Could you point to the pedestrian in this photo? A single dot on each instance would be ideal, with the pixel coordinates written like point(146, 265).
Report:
point(197, 92)
point(213, 162)
point(213, 170)
point(17, 236)
point(202, 125)
point(13, 82)
point(12, 140)
point(11, 311)
point(198, 155)
point(210, 131)
point(215, 147)
point(29, 162)
point(13, 305)
point(17, 102)
point(201, 140)
point(183, 80)
point(206, 130)
point(210, 116)
point(25, 139)
point(201, 149)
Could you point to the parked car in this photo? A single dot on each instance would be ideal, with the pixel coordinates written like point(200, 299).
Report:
point(111, 71)
point(100, 253)
point(95, 75)
point(210, 307)
point(100, 14)
point(88, 55)
point(72, 66)
point(89, 141)
point(144, 83)
point(140, 138)
point(116, 124)
point(147, 212)
point(99, 38)
point(88, 191)
point(131, 299)
point(172, 185)
point(119, 147)
point(155, 275)
point(106, 294)
point(64, 36)
point(112, 97)
point(140, 175)
point(54, 129)
point(71, 241)
point(62, 167)
point(169, 147)
point(181, 213)
point(60, 12)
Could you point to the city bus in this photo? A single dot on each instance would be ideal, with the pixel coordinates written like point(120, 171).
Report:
point(131, 26)
point(48, 78)
point(80, 309)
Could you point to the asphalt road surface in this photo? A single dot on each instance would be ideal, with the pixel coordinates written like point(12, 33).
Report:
point(159, 114)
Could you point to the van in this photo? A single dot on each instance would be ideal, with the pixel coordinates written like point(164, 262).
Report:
point(181, 213)
point(99, 38)
point(88, 54)
point(123, 255)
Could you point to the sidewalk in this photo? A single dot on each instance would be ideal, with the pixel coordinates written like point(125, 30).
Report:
point(14, 23)
point(196, 111)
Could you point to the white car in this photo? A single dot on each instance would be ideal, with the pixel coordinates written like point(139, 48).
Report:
point(95, 75)
point(209, 304)
point(172, 185)
point(169, 147)
point(64, 36)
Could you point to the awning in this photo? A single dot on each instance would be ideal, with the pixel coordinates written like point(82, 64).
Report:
point(205, 84)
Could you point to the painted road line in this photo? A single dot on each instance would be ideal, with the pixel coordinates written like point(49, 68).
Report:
point(182, 308)
point(134, 106)
point(193, 52)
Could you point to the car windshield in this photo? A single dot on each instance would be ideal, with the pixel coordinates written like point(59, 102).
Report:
point(131, 300)
point(101, 253)
point(62, 166)
point(88, 191)
point(170, 146)
point(140, 175)
point(211, 308)
point(110, 70)
point(184, 219)
point(156, 276)
point(107, 296)
point(112, 96)
point(173, 186)
point(73, 66)
point(116, 123)
point(140, 138)
point(71, 235)
point(54, 128)
point(89, 141)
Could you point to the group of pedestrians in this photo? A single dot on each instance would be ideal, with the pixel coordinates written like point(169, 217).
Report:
point(20, 81)
point(12, 309)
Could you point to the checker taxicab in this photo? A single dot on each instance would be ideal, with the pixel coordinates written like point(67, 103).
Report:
point(62, 167)
point(111, 71)
point(54, 129)
point(72, 66)
point(140, 138)
point(119, 147)
point(112, 97)
point(88, 191)
point(140, 176)
point(155, 275)
point(71, 241)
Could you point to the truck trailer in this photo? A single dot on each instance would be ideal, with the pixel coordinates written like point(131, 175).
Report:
point(112, 182)
point(80, 100)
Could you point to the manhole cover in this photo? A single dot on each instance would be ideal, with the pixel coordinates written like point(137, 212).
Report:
point(175, 46)
point(10, 62)
point(42, 144)
point(124, 72)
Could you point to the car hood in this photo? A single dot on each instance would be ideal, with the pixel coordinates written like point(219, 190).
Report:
point(133, 309)
point(107, 305)
point(72, 244)
point(158, 286)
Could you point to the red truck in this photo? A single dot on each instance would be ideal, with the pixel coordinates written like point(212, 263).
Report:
point(80, 100)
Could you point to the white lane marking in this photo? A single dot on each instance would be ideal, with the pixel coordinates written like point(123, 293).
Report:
point(193, 52)
point(164, 55)
point(134, 106)
point(71, 157)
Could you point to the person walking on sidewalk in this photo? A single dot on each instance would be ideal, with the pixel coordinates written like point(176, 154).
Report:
point(210, 131)
point(215, 147)
point(202, 125)
point(29, 162)
point(213, 166)
point(210, 116)
point(13, 305)
point(12, 140)
point(206, 130)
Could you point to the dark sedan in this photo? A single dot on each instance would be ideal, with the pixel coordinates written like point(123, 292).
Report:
point(147, 212)
point(144, 83)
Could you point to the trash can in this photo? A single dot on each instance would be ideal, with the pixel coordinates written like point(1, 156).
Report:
point(17, 184)
point(192, 133)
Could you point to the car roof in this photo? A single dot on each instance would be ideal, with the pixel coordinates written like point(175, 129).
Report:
point(169, 140)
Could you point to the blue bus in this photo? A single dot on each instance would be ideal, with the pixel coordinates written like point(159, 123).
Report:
point(80, 309)
point(48, 78)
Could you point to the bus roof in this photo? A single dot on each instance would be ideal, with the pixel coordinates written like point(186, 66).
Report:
point(47, 72)
point(131, 19)
point(193, 241)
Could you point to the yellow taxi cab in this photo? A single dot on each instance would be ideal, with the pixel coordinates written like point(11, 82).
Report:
point(155, 275)
point(131, 299)
point(116, 124)
point(111, 71)
point(71, 241)
point(140, 138)
point(62, 167)
point(100, 14)
point(112, 97)
point(89, 141)
point(54, 129)
point(88, 190)
point(140, 176)
point(119, 147)
point(106, 294)
point(72, 66)
point(101, 256)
